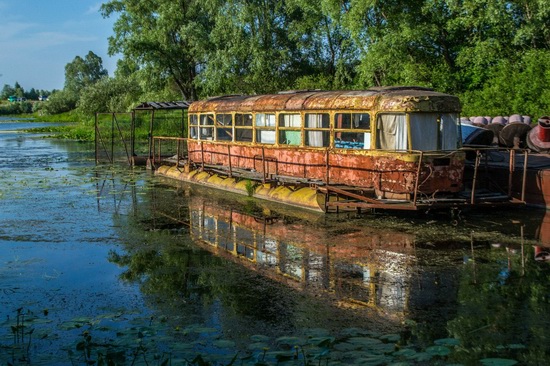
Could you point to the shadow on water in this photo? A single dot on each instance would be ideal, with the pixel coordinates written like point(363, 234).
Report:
point(107, 265)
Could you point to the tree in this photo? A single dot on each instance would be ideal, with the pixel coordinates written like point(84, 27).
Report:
point(109, 95)
point(166, 37)
point(83, 72)
point(7, 90)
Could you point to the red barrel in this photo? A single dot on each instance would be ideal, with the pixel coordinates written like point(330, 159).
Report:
point(544, 129)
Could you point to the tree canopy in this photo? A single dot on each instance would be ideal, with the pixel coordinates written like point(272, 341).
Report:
point(494, 54)
point(83, 72)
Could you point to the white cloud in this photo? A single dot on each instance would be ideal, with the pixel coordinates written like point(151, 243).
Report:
point(9, 30)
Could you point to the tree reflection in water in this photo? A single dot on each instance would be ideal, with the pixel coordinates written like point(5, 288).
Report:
point(237, 266)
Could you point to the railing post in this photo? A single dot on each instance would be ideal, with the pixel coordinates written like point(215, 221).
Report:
point(417, 177)
point(327, 167)
point(202, 156)
point(263, 164)
point(524, 181)
point(178, 153)
point(476, 166)
point(229, 160)
point(511, 173)
point(153, 160)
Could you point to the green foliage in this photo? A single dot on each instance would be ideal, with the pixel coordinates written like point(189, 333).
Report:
point(16, 108)
point(513, 86)
point(60, 101)
point(109, 95)
point(168, 37)
point(493, 54)
point(83, 72)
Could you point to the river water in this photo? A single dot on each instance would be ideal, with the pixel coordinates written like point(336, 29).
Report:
point(109, 265)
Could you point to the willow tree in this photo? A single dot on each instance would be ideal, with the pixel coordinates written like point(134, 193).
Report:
point(167, 38)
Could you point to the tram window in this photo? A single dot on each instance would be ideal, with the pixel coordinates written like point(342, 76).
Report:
point(424, 131)
point(243, 119)
point(265, 120)
point(391, 132)
point(290, 129)
point(243, 127)
point(206, 126)
point(352, 130)
point(317, 132)
point(224, 128)
point(193, 126)
point(265, 128)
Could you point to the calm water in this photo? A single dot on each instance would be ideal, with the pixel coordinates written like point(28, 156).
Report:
point(106, 264)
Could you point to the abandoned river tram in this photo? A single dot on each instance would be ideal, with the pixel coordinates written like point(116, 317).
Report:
point(396, 148)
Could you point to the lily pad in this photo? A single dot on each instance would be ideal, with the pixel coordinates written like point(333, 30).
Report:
point(259, 338)
point(374, 360)
point(223, 343)
point(405, 352)
point(498, 362)
point(346, 347)
point(391, 337)
point(290, 341)
point(364, 342)
point(449, 342)
point(438, 351)
point(258, 346)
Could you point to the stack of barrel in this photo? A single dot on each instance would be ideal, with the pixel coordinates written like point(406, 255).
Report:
point(513, 131)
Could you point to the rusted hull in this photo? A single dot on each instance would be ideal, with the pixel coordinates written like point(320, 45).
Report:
point(391, 172)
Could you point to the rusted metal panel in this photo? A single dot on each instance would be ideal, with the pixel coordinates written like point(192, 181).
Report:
point(389, 99)
point(387, 173)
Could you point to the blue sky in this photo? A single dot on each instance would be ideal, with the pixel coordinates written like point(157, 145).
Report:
point(38, 38)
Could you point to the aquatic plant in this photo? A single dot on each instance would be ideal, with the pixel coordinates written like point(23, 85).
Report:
point(250, 187)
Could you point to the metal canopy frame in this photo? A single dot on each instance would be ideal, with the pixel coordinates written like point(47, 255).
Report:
point(102, 145)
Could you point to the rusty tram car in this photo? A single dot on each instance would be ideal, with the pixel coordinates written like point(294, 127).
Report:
point(389, 148)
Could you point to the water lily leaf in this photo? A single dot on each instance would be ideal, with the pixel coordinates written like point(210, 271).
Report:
point(497, 362)
point(317, 332)
point(516, 346)
point(345, 346)
point(258, 346)
point(449, 342)
point(259, 338)
point(290, 341)
point(438, 351)
point(364, 342)
point(223, 343)
point(204, 330)
point(405, 352)
point(373, 360)
point(353, 332)
point(421, 357)
point(321, 341)
point(391, 337)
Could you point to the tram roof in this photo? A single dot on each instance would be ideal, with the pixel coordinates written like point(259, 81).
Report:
point(163, 105)
point(402, 99)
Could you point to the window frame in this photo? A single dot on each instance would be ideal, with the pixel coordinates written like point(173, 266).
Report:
point(283, 129)
point(363, 135)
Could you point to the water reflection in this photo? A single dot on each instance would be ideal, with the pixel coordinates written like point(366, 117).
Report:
point(358, 267)
point(425, 280)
